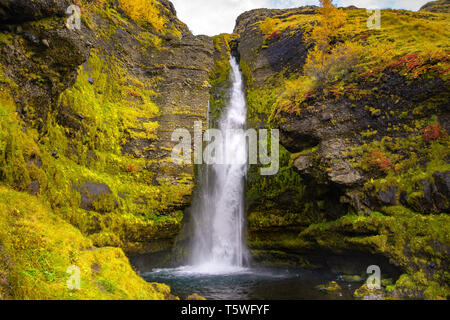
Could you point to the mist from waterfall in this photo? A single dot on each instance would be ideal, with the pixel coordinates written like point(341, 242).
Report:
point(217, 213)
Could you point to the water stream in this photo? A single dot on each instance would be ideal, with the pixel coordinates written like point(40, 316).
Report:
point(218, 266)
point(218, 210)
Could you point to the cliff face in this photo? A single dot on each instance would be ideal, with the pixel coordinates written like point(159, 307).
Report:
point(365, 163)
point(86, 123)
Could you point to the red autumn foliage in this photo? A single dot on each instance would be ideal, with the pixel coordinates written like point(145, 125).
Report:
point(133, 94)
point(378, 160)
point(410, 61)
point(433, 132)
point(274, 36)
point(132, 168)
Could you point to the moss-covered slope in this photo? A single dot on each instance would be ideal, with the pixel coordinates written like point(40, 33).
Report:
point(364, 117)
point(86, 118)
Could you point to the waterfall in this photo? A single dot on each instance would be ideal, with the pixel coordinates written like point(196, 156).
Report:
point(218, 209)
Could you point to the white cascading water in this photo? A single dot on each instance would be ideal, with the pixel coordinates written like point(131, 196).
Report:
point(218, 210)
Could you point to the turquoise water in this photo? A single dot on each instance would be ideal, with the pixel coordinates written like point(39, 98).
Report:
point(252, 284)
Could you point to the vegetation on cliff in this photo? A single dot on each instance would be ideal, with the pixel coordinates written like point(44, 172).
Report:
point(84, 117)
point(363, 115)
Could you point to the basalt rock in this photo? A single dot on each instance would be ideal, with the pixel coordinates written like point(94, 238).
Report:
point(14, 11)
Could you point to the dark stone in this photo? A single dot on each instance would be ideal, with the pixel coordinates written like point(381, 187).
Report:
point(389, 196)
point(325, 116)
point(440, 202)
point(26, 10)
point(55, 154)
point(90, 80)
point(404, 198)
point(80, 117)
point(427, 191)
point(442, 182)
point(31, 38)
point(91, 191)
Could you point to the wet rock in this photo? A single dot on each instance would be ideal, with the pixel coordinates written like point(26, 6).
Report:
point(365, 293)
point(330, 287)
point(404, 198)
point(326, 116)
point(195, 296)
point(31, 38)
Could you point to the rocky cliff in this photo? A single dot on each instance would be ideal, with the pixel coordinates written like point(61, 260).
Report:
point(365, 163)
point(86, 117)
point(86, 121)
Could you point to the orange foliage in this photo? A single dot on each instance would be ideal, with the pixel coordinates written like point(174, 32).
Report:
point(378, 160)
point(274, 36)
point(132, 168)
point(329, 22)
point(433, 132)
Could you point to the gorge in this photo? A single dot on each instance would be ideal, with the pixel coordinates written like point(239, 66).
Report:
point(87, 179)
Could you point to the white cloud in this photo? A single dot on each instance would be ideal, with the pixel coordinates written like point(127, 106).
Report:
point(213, 17)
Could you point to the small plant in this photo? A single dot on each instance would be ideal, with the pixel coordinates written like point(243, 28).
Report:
point(378, 160)
point(274, 36)
point(433, 132)
point(132, 93)
point(132, 168)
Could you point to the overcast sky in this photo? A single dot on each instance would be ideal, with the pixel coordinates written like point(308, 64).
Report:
point(212, 17)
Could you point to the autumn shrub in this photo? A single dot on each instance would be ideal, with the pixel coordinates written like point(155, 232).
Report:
point(336, 65)
point(267, 26)
point(274, 36)
point(433, 132)
point(295, 92)
point(377, 160)
point(143, 12)
point(132, 168)
point(132, 93)
point(326, 62)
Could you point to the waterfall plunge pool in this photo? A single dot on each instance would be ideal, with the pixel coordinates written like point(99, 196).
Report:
point(236, 283)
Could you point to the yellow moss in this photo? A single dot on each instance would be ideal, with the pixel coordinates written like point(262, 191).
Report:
point(143, 12)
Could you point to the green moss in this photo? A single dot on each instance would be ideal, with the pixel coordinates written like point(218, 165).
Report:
point(276, 258)
point(399, 229)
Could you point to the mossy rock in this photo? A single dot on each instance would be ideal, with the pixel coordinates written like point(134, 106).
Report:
point(331, 287)
point(368, 294)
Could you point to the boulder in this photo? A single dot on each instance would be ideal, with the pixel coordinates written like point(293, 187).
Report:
point(96, 197)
